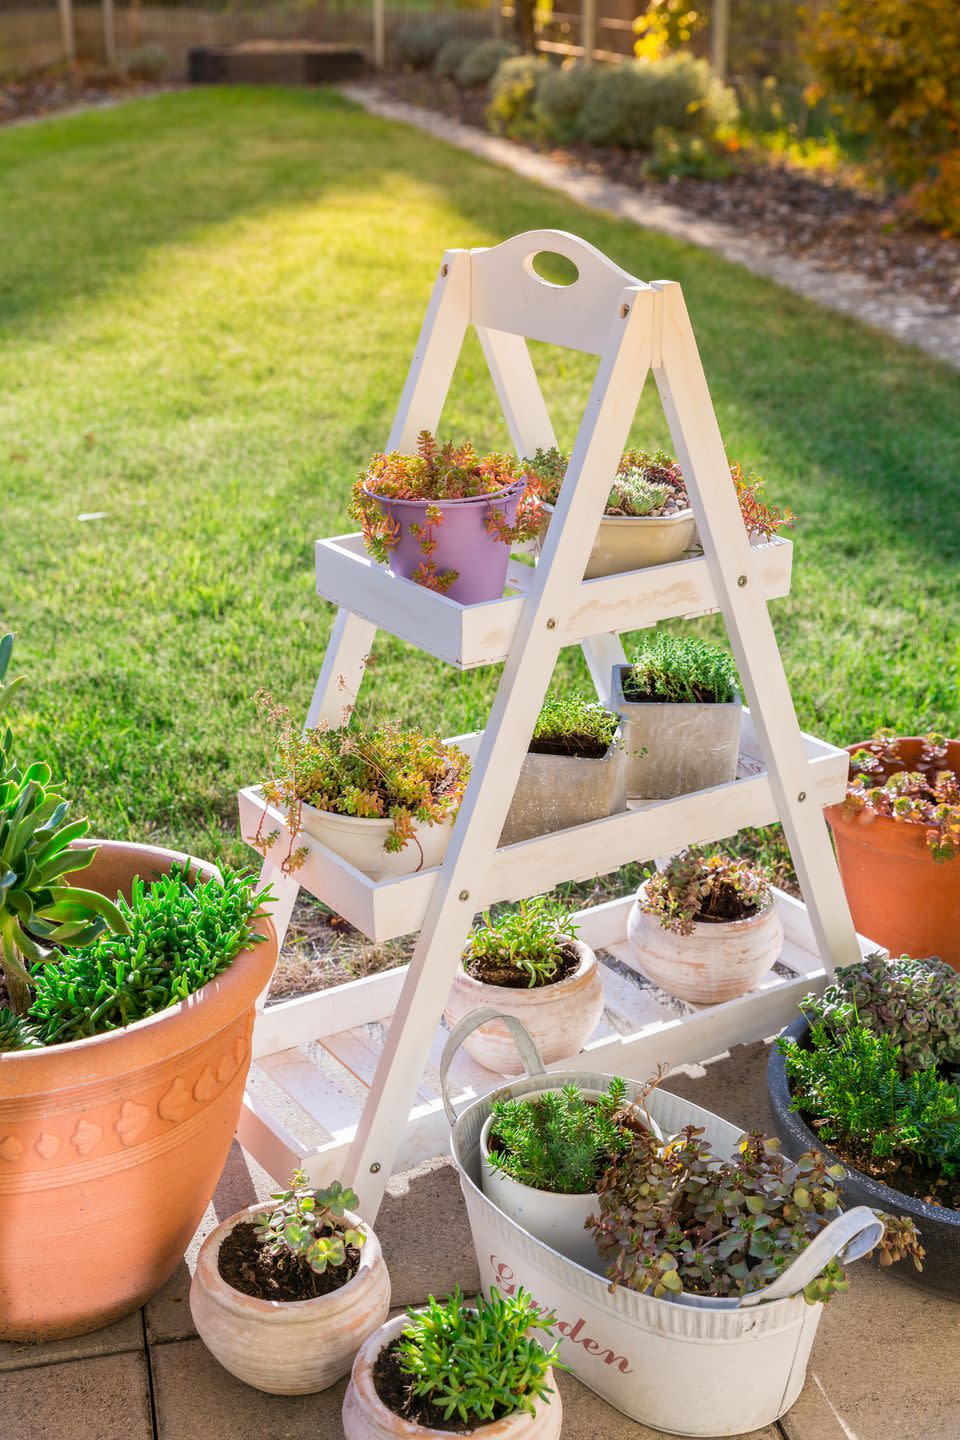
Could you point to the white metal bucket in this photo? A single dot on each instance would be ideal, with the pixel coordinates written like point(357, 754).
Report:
point(691, 1366)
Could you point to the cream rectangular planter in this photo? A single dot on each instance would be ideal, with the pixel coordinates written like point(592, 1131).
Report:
point(634, 542)
point(688, 746)
point(555, 792)
point(361, 842)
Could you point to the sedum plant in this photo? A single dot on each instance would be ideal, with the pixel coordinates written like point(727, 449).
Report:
point(39, 909)
point(523, 946)
point(677, 1217)
point(174, 939)
point(697, 887)
point(916, 1002)
point(572, 724)
point(927, 795)
point(561, 1141)
point(681, 669)
point(305, 1226)
point(374, 771)
point(480, 1364)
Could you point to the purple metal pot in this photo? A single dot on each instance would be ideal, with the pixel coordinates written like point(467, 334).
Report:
point(463, 541)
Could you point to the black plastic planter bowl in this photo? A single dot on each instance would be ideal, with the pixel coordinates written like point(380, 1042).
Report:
point(939, 1228)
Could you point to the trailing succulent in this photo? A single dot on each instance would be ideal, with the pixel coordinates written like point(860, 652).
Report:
point(678, 1217)
point(927, 795)
point(526, 945)
point(374, 771)
point(697, 887)
point(437, 473)
point(559, 1141)
point(573, 724)
point(680, 669)
point(916, 1002)
point(306, 1227)
point(478, 1364)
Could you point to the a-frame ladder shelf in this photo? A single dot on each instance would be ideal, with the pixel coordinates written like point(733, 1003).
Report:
point(313, 1070)
point(470, 635)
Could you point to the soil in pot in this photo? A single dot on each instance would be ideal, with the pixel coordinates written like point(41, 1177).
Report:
point(243, 1264)
point(393, 1388)
point(584, 747)
point(510, 977)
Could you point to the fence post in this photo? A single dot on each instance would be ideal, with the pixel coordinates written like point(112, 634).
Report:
point(588, 29)
point(496, 8)
point(719, 36)
point(379, 34)
point(109, 34)
point(67, 36)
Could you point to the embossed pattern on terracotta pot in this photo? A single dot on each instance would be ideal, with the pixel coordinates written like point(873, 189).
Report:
point(114, 1144)
point(288, 1347)
point(361, 840)
point(365, 1417)
point(560, 1017)
point(718, 962)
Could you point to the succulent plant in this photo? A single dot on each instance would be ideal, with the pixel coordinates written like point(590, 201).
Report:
point(559, 1141)
point(927, 795)
point(573, 723)
point(16, 1033)
point(521, 945)
point(696, 887)
point(306, 1226)
point(917, 1002)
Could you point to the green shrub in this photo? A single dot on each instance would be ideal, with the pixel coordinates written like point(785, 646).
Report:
point(147, 62)
point(512, 94)
point(415, 45)
point(482, 62)
point(451, 55)
point(626, 104)
point(561, 96)
point(560, 1141)
point(687, 155)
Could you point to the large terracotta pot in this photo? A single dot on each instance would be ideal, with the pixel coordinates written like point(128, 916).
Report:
point(365, 1417)
point(560, 1017)
point(110, 1148)
point(293, 1347)
point(899, 896)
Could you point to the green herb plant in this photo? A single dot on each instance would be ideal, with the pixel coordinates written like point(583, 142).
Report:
point(478, 1364)
point(437, 473)
point(681, 669)
point(523, 945)
point(572, 723)
point(927, 795)
point(174, 940)
point(305, 1226)
point(697, 887)
point(375, 771)
point(39, 911)
point(562, 1140)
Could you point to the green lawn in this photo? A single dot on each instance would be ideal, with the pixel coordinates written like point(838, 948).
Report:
point(207, 305)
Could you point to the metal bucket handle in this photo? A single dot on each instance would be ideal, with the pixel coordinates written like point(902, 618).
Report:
point(852, 1235)
point(529, 1054)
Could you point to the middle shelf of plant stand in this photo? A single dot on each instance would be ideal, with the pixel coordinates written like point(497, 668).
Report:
point(315, 1056)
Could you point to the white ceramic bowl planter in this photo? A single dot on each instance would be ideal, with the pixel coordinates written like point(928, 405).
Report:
point(689, 746)
point(561, 1017)
point(718, 961)
point(634, 542)
point(555, 792)
point(690, 1366)
point(365, 1417)
point(288, 1347)
point(361, 841)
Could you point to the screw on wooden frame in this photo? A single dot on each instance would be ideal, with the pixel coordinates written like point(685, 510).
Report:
point(624, 311)
point(374, 1168)
point(741, 581)
point(464, 894)
point(802, 796)
point(444, 269)
point(551, 623)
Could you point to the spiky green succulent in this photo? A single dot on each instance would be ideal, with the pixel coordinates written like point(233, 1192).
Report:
point(915, 1001)
point(16, 1033)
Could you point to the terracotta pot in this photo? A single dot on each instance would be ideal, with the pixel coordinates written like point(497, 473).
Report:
point(114, 1145)
point(899, 896)
point(292, 1347)
point(365, 1417)
point(718, 962)
point(560, 1018)
point(361, 841)
point(634, 542)
point(688, 746)
point(555, 792)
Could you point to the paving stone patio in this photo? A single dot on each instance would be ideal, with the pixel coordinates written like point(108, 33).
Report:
point(886, 1364)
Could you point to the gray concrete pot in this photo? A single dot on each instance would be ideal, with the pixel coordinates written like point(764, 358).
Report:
point(939, 1227)
point(688, 746)
point(555, 792)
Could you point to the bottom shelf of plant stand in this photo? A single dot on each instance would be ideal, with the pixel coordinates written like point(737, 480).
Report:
point(315, 1056)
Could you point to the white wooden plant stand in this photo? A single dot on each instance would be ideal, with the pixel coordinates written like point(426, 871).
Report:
point(359, 1060)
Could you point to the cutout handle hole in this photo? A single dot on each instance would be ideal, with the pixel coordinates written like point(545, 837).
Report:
point(551, 268)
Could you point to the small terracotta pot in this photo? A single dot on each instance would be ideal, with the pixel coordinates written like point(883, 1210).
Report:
point(292, 1347)
point(113, 1145)
point(560, 1018)
point(361, 841)
point(365, 1417)
point(718, 962)
point(899, 896)
point(634, 542)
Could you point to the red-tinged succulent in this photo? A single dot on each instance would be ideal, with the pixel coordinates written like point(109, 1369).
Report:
point(927, 795)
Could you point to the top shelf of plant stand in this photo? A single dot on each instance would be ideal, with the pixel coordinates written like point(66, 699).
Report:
point(470, 635)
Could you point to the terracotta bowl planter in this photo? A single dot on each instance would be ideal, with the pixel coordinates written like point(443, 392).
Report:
point(718, 962)
point(361, 841)
point(113, 1145)
point(559, 1017)
point(292, 1347)
point(365, 1417)
point(688, 746)
point(555, 792)
point(898, 894)
point(634, 542)
point(939, 1227)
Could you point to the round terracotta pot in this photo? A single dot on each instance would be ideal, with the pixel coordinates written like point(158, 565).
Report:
point(899, 896)
point(292, 1347)
point(111, 1147)
point(718, 962)
point(560, 1018)
point(365, 1417)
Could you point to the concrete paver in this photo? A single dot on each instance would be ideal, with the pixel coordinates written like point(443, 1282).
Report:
point(125, 1335)
point(106, 1398)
